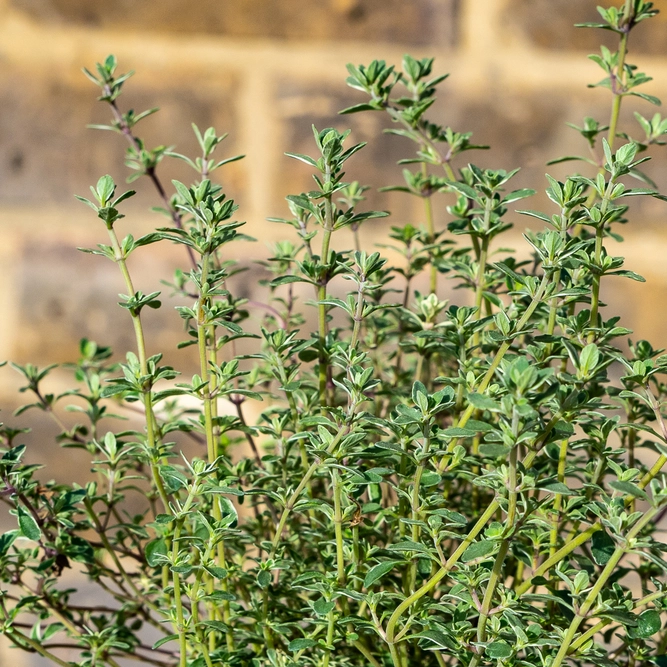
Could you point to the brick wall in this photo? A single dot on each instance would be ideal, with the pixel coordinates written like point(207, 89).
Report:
point(264, 71)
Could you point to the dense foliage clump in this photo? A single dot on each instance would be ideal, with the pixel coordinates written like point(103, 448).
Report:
point(414, 482)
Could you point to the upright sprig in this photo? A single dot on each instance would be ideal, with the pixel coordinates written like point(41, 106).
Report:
point(436, 145)
point(319, 206)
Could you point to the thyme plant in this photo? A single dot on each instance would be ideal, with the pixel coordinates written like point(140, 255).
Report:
point(413, 482)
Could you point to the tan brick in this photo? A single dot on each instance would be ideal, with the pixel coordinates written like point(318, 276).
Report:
point(416, 22)
point(549, 24)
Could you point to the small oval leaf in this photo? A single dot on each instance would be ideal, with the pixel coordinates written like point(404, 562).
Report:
point(478, 550)
point(28, 525)
point(377, 572)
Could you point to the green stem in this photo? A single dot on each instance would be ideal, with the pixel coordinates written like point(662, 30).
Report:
point(395, 656)
point(500, 354)
point(558, 556)
point(322, 295)
point(618, 78)
point(210, 407)
point(620, 73)
point(592, 597)
point(430, 229)
point(595, 294)
point(415, 503)
point(338, 527)
point(358, 314)
point(553, 305)
point(657, 466)
point(497, 570)
point(655, 469)
point(512, 494)
point(558, 500)
point(266, 630)
point(496, 573)
point(449, 171)
point(366, 653)
point(590, 633)
point(479, 290)
point(289, 506)
point(331, 626)
point(194, 604)
point(151, 440)
point(176, 578)
point(178, 600)
point(618, 87)
point(481, 269)
point(390, 634)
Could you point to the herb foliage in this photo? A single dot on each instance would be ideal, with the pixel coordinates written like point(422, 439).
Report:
point(415, 482)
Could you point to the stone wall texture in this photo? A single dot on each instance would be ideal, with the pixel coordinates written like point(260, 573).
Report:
point(265, 71)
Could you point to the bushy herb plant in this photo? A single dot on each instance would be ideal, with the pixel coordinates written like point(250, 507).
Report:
point(414, 482)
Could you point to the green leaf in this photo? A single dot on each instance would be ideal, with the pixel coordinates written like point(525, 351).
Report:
point(303, 158)
point(29, 527)
point(420, 396)
point(566, 158)
point(308, 355)
point(409, 545)
point(51, 630)
point(216, 625)
point(624, 617)
point(284, 280)
point(156, 550)
point(451, 517)
point(536, 214)
point(483, 402)
point(499, 650)
point(6, 541)
point(456, 432)
point(478, 426)
point(516, 195)
point(378, 571)
point(589, 357)
point(560, 488)
point(629, 274)
point(628, 488)
point(652, 99)
point(263, 578)
point(463, 189)
point(173, 478)
point(301, 644)
point(493, 451)
point(217, 572)
point(430, 478)
point(322, 607)
point(359, 107)
point(648, 623)
point(602, 547)
point(440, 639)
point(105, 188)
point(164, 640)
point(478, 550)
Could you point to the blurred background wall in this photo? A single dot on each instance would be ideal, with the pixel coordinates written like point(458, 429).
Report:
point(264, 71)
